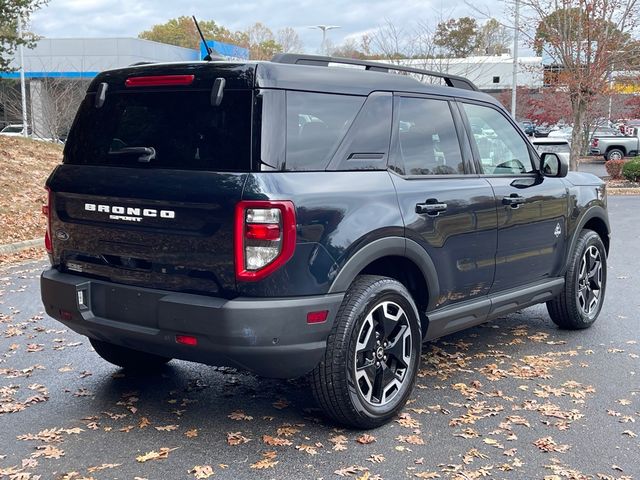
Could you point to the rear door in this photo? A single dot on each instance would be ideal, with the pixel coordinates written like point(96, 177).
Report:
point(447, 208)
point(150, 178)
point(532, 209)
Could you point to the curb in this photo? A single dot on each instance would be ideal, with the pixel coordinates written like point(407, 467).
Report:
point(18, 246)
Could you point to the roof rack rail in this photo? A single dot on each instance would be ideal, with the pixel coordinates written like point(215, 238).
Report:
point(324, 61)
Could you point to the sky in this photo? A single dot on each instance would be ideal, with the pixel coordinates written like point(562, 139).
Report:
point(127, 18)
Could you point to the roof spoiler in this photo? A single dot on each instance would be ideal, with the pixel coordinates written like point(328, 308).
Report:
point(324, 61)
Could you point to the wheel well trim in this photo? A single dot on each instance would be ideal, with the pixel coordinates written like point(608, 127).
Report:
point(617, 147)
point(387, 247)
point(595, 211)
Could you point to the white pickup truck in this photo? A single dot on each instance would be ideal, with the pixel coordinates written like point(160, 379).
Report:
point(616, 148)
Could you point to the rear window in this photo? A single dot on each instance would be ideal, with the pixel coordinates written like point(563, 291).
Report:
point(179, 129)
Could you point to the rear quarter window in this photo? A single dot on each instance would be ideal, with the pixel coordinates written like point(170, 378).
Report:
point(316, 124)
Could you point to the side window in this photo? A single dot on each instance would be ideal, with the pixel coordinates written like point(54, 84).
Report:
point(427, 139)
point(316, 124)
point(502, 150)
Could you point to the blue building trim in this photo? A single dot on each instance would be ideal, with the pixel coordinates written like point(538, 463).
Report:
point(16, 75)
point(225, 49)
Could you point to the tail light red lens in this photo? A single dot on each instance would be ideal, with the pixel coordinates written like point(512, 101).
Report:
point(595, 142)
point(265, 237)
point(159, 81)
point(46, 210)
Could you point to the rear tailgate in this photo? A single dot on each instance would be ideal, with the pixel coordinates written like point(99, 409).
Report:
point(150, 179)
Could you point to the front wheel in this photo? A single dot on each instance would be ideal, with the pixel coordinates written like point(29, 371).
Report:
point(372, 356)
point(579, 304)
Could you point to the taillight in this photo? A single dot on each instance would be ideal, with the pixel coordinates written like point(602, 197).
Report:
point(159, 81)
point(265, 237)
point(594, 142)
point(46, 210)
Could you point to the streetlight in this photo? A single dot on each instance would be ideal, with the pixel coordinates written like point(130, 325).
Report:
point(22, 82)
point(324, 29)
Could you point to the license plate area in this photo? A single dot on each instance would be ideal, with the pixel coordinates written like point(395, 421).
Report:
point(125, 305)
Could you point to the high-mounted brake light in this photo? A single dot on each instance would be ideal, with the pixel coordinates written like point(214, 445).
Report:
point(265, 237)
point(46, 211)
point(159, 81)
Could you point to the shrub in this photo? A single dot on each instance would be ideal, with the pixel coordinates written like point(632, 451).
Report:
point(631, 170)
point(614, 168)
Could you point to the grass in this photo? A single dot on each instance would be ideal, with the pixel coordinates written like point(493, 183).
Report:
point(24, 167)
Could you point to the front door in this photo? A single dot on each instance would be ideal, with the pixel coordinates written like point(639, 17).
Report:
point(447, 208)
point(532, 209)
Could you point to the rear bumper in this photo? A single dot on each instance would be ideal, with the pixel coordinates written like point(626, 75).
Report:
point(595, 151)
point(270, 337)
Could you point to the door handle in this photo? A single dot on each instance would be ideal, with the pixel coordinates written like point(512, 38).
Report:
point(514, 200)
point(431, 207)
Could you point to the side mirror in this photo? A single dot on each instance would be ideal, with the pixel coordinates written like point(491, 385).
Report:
point(551, 165)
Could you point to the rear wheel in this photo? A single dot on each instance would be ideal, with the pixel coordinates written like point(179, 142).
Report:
point(579, 304)
point(615, 154)
point(128, 358)
point(372, 356)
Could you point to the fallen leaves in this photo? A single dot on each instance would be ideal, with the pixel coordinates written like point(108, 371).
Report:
point(365, 439)
point(202, 471)
point(239, 415)
point(236, 438)
point(276, 441)
point(547, 444)
point(153, 455)
point(268, 460)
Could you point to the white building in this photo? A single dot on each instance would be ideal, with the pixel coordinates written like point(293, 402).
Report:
point(489, 73)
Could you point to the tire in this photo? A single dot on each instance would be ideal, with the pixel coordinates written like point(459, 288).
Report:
point(372, 356)
point(127, 358)
point(615, 154)
point(580, 302)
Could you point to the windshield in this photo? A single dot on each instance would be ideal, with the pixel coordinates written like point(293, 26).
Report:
point(12, 129)
point(179, 129)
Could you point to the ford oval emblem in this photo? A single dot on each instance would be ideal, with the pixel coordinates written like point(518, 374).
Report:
point(62, 235)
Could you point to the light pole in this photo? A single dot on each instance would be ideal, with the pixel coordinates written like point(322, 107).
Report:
point(324, 29)
point(514, 84)
point(22, 82)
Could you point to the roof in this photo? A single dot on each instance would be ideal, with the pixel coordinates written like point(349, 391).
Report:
point(322, 79)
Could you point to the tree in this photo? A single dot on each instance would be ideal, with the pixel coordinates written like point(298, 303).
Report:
point(262, 43)
point(458, 37)
point(182, 32)
point(494, 38)
point(10, 11)
point(587, 40)
point(289, 40)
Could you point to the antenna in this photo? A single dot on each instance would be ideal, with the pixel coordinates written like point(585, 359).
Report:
point(209, 51)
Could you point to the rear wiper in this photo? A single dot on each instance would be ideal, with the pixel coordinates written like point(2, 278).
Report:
point(146, 154)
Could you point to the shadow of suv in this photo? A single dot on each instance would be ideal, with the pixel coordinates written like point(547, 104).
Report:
point(293, 218)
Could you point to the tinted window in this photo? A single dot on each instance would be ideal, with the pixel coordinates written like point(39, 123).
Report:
point(164, 130)
point(316, 124)
point(428, 143)
point(502, 150)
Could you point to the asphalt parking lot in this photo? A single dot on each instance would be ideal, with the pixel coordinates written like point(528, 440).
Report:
point(516, 398)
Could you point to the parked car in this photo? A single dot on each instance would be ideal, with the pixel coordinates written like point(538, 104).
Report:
point(15, 130)
point(559, 146)
point(564, 132)
point(616, 147)
point(527, 127)
point(541, 131)
point(195, 216)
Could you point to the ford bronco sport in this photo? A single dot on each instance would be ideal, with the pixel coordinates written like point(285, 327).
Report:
point(292, 217)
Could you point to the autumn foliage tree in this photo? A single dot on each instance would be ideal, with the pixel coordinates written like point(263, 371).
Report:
point(587, 40)
point(458, 37)
point(258, 38)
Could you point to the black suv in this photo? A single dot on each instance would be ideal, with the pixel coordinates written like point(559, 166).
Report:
point(293, 217)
